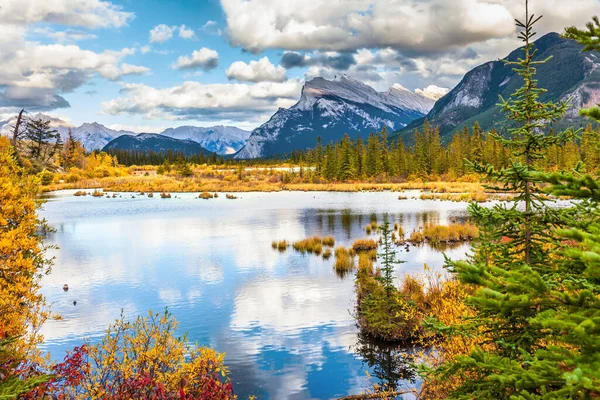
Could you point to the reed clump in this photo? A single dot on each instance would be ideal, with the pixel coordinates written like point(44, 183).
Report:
point(80, 193)
point(453, 233)
point(361, 245)
point(230, 196)
point(344, 259)
point(312, 244)
point(150, 195)
point(205, 195)
point(98, 193)
point(280, 245)
point(326, 254)
point(328, 241)
point(165, 195)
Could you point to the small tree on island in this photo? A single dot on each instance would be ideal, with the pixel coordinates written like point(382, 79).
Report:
point(388, 260)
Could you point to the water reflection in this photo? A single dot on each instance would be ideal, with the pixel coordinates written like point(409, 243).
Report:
point(282, 318)
point(390, 363)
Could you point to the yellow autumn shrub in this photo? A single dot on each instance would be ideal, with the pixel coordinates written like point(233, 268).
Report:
point(22, 255)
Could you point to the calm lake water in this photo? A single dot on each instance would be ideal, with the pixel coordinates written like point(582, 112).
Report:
point(283, 319)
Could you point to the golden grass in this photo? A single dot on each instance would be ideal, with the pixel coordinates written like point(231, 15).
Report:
point(326, 254)
point(479, 197)
point(205, 196)
point(344, 259)
point(230, 196)
point(361, 245)
point(80, 193)
point(328, 241)
point(208, 178)
point(98, 193)
point(452, 233)
point(165, 195)
point(312, 244)
point(280, 245)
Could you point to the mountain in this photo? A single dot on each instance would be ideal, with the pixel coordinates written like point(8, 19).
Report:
point(156, 143)
point(94, 136)
point(330, 108)
point(569, 74)
point(218, 139)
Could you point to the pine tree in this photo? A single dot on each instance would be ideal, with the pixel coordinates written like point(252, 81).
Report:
point(514, 269)
point(388, 260)
point(346, 165)
point(40, 134)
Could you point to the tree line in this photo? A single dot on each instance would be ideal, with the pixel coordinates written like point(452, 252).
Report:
point(379, 157)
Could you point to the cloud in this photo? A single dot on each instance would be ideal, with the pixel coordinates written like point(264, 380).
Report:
point(204, 58)
point(416, 29)
point(186, 33)
point(161, 33)
point(335, 60)
point(68, 35)
point(256, 71)
point(212, 28)
point(31, 98)
point(233, 101)
point(85, 13)
point(145, 49)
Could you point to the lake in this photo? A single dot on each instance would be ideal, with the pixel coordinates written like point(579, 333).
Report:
point(284, 319)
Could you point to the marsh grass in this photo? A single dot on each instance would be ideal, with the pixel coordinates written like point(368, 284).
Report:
point(230, 196)
point(344, 259)
point(361, 245)
point(205, 195)
point(313, 244)
point(444, 234)
point(328, 241)
point(165, 195)
point(280, 245)
point(98, 193)
point(80, 193)
point(207, 178)
point(326, 254)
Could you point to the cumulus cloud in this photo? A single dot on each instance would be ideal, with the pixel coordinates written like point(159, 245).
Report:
point(233, 101)
point(335, 60)
point(161, 33)
point(423, 26)
point(204, 58)
point(186, 33)
point(256, 71)
point(85, 13)
point(68, 35)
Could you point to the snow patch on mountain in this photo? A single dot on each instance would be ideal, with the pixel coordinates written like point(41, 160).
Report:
point(218, 139)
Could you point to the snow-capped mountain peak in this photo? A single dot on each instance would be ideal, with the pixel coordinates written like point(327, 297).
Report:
point(331, 108)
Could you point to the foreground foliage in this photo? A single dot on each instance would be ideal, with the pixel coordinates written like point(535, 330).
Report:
point(536, 308)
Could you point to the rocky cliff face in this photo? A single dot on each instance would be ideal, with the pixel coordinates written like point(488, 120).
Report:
point(570, 74)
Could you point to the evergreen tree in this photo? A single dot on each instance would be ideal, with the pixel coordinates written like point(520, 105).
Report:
point(514, 269)
point(388, 260)
point(40, 134)
point(346, 169)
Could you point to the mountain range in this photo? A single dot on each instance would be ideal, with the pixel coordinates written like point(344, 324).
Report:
point(157, 143)
point(331, 108)
point(569, 75)
point(94, 136)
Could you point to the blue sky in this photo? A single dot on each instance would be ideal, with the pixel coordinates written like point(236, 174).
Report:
point(147, 65)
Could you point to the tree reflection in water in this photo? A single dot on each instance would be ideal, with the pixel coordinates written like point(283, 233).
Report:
point(390, 363)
